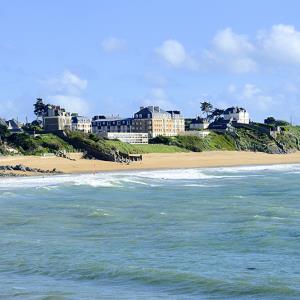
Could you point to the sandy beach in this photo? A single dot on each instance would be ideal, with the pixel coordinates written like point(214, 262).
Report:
point(152, 161)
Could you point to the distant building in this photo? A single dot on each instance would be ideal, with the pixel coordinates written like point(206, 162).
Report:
point(199, 123)
point(127, 137)
point(80, 123)
point(14, 126)
point(237, 114)
point(110, 124)
point(156, 121)
point(221, 125)
point(56, 118)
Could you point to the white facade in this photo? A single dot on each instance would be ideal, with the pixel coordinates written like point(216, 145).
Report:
point(81, 124)
point(126, 137)
point(238, 115)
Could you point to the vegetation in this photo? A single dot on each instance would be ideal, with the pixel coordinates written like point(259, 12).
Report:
point(213, 141)
point(35, 145)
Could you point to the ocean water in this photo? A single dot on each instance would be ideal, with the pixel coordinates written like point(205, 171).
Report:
point(224, 233)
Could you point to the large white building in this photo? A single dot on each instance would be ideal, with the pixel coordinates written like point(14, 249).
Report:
point(126, 137)
point(237, 114)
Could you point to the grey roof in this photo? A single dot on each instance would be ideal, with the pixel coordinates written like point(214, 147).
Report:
point(76, 119)
point(198, 120)
point(153, 111)
point(233, 110)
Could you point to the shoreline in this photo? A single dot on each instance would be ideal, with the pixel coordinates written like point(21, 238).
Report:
point(154, 161)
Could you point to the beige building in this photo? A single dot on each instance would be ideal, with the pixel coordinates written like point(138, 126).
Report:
point(156, 121)
point(56, 118)
point(80, 123)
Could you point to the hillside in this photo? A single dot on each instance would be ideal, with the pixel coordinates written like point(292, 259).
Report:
point(242, 139)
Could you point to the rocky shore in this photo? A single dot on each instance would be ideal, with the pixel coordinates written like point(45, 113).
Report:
point(21, 170)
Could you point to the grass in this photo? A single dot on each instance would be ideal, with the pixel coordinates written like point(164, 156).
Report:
point(144, 148)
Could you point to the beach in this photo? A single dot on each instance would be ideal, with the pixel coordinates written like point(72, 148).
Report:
point(151, 161)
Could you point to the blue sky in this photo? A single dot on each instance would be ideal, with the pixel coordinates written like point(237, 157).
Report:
point(110, 57)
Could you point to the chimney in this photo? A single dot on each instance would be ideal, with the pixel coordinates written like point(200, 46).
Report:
point(142, 107)
point(156, 108)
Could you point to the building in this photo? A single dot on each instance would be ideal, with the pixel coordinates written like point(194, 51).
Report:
point(14, 126)
point(237, 114)
point(56, 118)
point(156, 121)
point(126, 137)
point(199, 123)
point(110, 124)
point(80, 123)
point(221, 125)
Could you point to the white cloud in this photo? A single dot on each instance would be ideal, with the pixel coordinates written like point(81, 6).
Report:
point(281, 43)
point(158, 97)
point(113, 44)
point(226, 41)
point(174, 53)
point(67, 82)
point(251, 96)
point(231, 51)
point(66, 90)
point(71, 103)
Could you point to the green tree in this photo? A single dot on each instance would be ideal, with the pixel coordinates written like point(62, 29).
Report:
point(39, 108)
point(206, 108)
point(216, 113)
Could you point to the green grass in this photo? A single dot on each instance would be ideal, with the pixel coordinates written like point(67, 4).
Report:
point(212, 142)
point(143, 148)
point(44, 143)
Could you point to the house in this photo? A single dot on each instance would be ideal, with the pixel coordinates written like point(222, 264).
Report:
point(221, 125)
point(56, 118)
point(80, 123)
point(14, 126)
point(156, 121)
point(199, 123)
point(237, 114)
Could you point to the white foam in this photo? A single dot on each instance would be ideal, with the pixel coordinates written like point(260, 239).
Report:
point(147, 178)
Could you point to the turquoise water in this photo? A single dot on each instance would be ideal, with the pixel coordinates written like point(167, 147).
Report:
point(231, 233)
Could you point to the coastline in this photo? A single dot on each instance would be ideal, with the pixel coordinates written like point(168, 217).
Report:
point(153, 161)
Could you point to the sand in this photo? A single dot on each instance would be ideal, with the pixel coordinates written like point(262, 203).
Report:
point(153, 161)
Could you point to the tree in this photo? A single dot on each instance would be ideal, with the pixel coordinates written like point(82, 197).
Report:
point(216, 113)
point(4, 132)
point(270, 121)
point(206, 108)
point(39, 108)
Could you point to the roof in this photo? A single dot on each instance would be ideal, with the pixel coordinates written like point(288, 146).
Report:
point(155, 111)
point(199, 121)
point(234, 110)
point(76, 119)
point(220, 123)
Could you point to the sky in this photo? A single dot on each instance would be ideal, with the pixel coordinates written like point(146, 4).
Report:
point(111, 57)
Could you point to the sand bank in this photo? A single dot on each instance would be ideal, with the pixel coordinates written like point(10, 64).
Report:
point(154, 161)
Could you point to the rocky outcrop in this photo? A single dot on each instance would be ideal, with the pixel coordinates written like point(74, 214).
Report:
point(28, 169)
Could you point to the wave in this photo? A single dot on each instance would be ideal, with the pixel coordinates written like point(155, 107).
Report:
point(150, 178)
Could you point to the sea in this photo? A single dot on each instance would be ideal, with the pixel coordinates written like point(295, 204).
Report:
point(215, 233)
